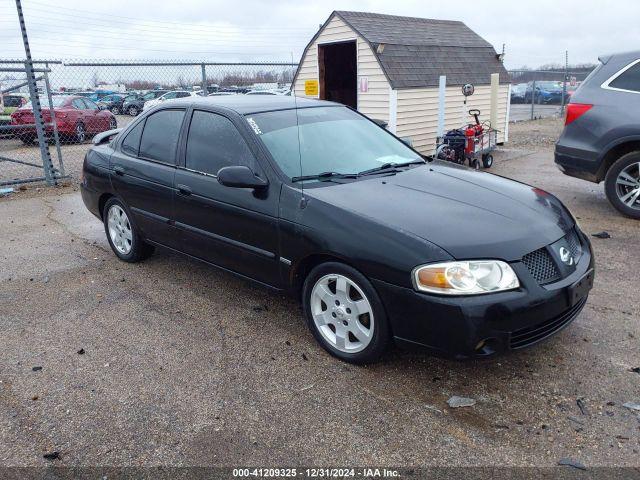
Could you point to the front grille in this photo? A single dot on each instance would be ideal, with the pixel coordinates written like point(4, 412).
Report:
point(530, 335)
point(541, 266)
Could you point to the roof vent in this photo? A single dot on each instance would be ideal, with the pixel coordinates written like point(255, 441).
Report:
point(380, 48)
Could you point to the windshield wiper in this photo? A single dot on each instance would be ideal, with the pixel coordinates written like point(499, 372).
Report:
point(390, 167)
point(323, 176)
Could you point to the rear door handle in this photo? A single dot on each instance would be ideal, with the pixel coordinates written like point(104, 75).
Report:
point(183, 189)
point(119, 170)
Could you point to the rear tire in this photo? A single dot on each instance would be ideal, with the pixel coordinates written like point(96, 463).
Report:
point(115, 110)
point(622, 185)
point(122, 233)
point(27, 139)
point(345, 313)
point(133, 111)
point(80, 133)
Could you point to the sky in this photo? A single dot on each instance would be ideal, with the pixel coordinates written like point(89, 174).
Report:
point(534, 33)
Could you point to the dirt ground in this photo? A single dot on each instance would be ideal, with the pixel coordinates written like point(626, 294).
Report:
point(173, 363)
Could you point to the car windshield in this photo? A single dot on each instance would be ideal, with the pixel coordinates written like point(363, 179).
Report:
point(329, 139)
point(57, 101)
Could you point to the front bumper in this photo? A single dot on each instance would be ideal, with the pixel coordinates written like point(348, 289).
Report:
point(484, 325)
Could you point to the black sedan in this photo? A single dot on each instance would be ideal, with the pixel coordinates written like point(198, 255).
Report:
point(314, 199)
point(113, 102)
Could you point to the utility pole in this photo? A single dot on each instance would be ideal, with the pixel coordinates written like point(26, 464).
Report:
point(35, 102)
point(566, 79)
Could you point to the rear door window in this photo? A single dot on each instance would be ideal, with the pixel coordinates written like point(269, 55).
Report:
point(628, 80)
point(131, 143)
point(214, 142)
point(159, 140)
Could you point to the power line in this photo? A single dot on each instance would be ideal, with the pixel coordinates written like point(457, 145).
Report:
point(99, 17)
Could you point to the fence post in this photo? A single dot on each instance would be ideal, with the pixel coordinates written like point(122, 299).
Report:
point(442, 91)
point(35, 103)
point(533, 97)
point(56, 136)
point(564, 82)
point(204, 80)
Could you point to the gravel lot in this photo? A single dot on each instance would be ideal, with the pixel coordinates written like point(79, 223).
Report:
point(172, 363)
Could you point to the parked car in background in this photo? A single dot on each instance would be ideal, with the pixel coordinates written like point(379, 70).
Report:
point(546, 92)
point(113, 103)
point(77, 119)
point(601, 136)
point(571, 89)
point(491, 265)
point(10, 103)
point(170, 96)
point(518, 92)
point(262, 92)
point(134, 105)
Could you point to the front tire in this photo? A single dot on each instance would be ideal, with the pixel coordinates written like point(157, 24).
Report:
point(345, 313)
point(122, 234)
point(133, 111)
point(622, 185)
point(115, 110)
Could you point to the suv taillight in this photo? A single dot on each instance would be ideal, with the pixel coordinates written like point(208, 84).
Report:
point(575, 111)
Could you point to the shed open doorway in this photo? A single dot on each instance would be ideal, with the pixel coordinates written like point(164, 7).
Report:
point(337, 63)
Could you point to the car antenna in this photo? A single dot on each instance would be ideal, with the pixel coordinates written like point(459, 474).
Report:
point(303, 202)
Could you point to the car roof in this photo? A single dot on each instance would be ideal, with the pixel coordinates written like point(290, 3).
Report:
point(621, 56)
point(244, 104)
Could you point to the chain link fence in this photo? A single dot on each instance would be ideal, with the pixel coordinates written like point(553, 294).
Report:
point(542, 93)
point(82, 99)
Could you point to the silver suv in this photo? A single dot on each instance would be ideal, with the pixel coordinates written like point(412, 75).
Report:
point(601, 137)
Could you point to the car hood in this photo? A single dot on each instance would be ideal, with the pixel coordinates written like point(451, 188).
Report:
point(468, 213)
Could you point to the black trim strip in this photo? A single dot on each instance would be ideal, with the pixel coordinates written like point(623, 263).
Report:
point(215, 265)
point(230, 241)
point(150, 215)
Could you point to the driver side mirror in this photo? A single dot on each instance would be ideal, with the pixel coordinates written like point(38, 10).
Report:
point(240, 176)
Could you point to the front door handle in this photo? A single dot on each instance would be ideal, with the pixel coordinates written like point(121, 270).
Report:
point(119, 170)
point(183, 189)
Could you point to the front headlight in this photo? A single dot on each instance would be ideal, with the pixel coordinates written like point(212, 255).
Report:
point(465, 278)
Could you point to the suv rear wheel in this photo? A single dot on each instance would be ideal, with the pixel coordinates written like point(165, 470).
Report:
point(622, 184)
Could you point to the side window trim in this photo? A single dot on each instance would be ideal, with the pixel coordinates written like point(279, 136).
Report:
point(606, 84)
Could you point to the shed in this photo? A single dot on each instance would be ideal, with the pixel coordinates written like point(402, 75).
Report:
point(388, 68)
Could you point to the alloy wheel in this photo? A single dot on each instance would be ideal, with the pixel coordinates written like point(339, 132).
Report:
point(81, 133)
point(113, 124)
point(120, 230)
point(115, 110)
point(342, 313)
point(133, 111)
point(628, 186)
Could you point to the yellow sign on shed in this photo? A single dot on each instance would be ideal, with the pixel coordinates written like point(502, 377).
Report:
point(311, 88)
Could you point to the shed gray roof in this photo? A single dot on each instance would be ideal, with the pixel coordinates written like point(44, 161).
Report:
point(418, 50)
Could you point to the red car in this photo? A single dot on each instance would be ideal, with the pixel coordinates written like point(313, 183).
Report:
point(77, 119)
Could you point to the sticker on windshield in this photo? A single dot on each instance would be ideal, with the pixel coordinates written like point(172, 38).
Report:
point(254, 125)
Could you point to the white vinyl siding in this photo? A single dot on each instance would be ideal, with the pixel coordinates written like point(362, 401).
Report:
point(417, 116)
point(375, 102)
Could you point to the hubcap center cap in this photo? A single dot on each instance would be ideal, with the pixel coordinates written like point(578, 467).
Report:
point(340, 313)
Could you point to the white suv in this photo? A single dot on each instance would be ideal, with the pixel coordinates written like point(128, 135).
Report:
point(168, 96)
